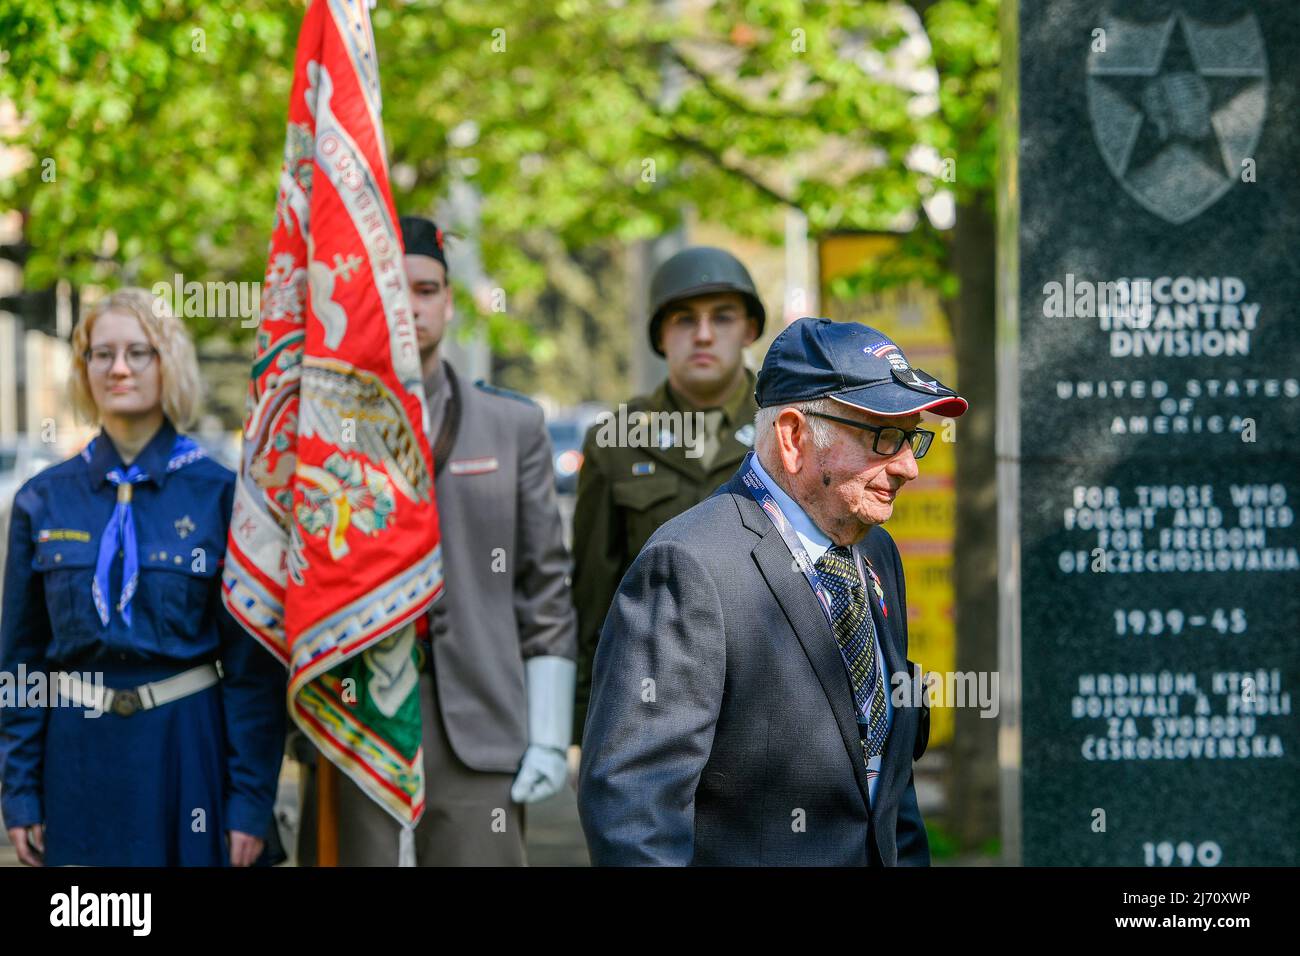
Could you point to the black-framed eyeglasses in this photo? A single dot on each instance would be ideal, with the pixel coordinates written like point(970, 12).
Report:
point(888, 439)
point(101, 359)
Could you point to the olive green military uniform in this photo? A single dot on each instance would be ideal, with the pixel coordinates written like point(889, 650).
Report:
point(626, 493)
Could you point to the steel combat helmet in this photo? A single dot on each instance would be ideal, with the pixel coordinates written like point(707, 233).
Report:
point(700, 270)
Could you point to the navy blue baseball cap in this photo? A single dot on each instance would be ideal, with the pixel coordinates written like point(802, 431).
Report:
point(851, 363)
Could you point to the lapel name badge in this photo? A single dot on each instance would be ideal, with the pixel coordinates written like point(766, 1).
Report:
point(473, 466)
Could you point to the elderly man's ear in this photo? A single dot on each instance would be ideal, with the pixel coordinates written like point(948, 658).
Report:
point(792, 440)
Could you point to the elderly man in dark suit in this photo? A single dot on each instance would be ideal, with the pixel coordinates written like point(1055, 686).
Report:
point(752, 700)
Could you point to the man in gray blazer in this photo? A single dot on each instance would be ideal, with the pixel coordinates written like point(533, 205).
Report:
point(497, 694)
point(752, 700)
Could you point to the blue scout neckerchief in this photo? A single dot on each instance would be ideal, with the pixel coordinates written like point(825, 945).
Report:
point(767, 501)
point(120, 530)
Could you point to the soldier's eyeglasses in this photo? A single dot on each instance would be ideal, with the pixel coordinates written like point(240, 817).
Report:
point(888, 440)
point(138, 357)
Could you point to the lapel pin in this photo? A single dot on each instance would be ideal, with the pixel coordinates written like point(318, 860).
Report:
point(876, 586)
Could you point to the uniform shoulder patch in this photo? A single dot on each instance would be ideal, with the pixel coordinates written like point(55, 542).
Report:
point(490, 389)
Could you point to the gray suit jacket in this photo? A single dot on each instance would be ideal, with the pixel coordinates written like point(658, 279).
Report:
point(506, 574)
point(721, 729)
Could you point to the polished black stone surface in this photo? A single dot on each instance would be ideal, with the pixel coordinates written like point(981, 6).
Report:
point(1137, 162)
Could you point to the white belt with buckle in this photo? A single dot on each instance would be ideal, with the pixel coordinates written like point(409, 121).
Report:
point(124, 703)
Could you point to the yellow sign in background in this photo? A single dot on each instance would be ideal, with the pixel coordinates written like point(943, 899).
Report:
point(924, 513)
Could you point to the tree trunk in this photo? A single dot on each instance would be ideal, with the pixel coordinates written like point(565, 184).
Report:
point(973, 812)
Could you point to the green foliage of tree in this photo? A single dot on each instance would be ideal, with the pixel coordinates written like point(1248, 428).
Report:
point(154, 130)
point(596, 122)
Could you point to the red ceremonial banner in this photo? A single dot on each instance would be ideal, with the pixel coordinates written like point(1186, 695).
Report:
point(333, 548)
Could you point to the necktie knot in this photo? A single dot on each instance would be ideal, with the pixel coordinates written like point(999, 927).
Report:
point(838, 565)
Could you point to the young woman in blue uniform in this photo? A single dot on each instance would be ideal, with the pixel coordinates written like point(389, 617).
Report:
point(112, 592)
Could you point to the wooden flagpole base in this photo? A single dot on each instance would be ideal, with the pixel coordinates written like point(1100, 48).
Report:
point(327, 812)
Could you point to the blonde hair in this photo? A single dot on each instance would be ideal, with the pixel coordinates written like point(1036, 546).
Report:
point(178, 366)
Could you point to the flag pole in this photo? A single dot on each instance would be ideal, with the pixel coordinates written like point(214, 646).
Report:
point(327, 812)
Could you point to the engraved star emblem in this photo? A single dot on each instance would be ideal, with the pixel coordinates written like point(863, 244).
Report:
point(1177, 103)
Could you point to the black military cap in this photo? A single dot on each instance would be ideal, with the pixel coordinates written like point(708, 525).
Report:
point(422, 237)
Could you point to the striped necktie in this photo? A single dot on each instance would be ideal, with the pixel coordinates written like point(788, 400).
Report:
point(856, 634)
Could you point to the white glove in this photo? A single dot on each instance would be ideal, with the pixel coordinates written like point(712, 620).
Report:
point(550, 684)
point(541, 775)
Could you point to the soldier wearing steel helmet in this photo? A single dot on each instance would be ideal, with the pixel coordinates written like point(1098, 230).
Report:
point(704, 310)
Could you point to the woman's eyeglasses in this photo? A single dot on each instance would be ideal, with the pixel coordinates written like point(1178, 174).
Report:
point(138, 357)
point(888, 439)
